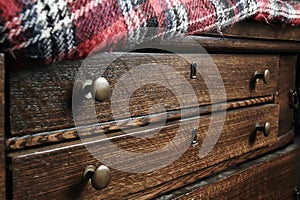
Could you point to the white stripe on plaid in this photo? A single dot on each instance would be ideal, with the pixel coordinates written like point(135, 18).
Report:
point(291, 13)
point(85, 9)
point(275, 10)
point(50, 28)
point(225, 11)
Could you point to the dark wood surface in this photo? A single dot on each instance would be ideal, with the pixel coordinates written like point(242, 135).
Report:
point(2, 130)
point(62, 168)
point(41, 98)
point(250, 29)
point(286, 81)
point(273, 177)
point(240, 45)
point(297, 111)
point(48, 158)
point(210, 171)
point(222, 44)
point(114, 127)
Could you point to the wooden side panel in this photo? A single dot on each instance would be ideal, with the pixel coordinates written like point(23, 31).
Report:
point(272, 177)
point(297, 112)
point(41, 98)
point(2, 132)
point(286, 81)
point(57, 173)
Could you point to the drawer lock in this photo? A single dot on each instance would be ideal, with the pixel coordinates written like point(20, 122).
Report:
point(294, 99)
point(194, 137)
point(296, 194)
point(193, 70)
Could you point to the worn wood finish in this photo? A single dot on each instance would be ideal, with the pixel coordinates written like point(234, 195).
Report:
point(41, 97)
point(215, 44)
point(41, 139)
point(209, 171)
point(2, 130)
point(271, 177)
point(286, 81)
point(221, 44)
point(250, 29)
point(62, 168)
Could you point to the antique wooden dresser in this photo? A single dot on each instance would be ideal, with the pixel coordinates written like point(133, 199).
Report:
point(254, 151)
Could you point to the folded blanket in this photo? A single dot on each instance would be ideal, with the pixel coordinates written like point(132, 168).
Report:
point(51, 30)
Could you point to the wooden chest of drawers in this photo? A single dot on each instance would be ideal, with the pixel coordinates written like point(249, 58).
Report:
point(177, 136)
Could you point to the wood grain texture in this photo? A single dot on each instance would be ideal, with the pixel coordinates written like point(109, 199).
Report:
point(223, 44)
point(227, 44)
point(2, 130)
point(271, 177)
point(250, 29)
point(286, 81)
point(62, 168)
point(114, 127)
point(41, 98)
point(162, 189)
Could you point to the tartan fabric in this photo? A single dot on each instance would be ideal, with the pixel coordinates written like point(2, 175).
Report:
point(51, 30)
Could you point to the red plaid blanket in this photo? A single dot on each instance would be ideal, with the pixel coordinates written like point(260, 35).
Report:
point(50, 30)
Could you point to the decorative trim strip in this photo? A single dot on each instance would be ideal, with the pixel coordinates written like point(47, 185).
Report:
point(40, 139)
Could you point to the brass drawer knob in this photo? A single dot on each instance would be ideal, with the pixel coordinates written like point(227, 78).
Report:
point(266, 128)
point(264, 76)
point(99, 176)
point(100, 89)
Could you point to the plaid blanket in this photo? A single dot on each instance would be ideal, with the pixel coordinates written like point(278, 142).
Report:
point(51, 30)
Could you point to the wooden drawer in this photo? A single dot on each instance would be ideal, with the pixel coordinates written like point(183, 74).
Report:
point(41, 98)
point(275, 177)
point(57, 172)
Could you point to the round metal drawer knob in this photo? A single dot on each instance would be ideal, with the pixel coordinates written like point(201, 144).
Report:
point(101, 89)
point(266, 128)
point(99, 176)
point(98, 88)
point(264, 76)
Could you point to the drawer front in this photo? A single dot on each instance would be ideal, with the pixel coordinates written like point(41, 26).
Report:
point(57, 173)
point(41, 98)
point(273, 177)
